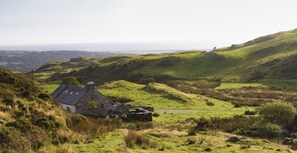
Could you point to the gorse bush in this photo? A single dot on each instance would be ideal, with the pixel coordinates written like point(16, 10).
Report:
point(278, 113)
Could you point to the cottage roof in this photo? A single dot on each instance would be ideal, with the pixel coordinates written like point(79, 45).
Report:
point(116, 105)
point(58, 91)
point(69, 95)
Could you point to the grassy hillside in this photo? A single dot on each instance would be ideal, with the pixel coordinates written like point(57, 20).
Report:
point(31, 118)
point(268, 57)
point(173, 105)
point(31, 121)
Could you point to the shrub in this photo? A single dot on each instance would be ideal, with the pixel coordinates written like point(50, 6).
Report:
point(209, 103)
point(203, 124)
point(120, 99)
point(227, 124)
point(133, 138)
point(47, 124)
point(13, 140)
point(272, 130)
point(8, 101)
point(37, 136)
point(278, 113)
point(82, 124)
point(249, 112)
point(146, 80)
point(71, 81)
point(192, 132)
point(141, 126)
point(207, 149)
point(44, 96)
point(21, 125)
point(28, 95)
point(155, 114)
point(191, 141)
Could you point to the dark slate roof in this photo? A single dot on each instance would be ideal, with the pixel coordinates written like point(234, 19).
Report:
point(58, 91)
point(69, 95)
point(115, 106)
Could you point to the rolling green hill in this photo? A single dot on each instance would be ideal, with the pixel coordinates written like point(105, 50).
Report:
point(269, 57)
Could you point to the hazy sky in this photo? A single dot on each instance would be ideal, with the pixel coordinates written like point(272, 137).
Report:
point(221, 22)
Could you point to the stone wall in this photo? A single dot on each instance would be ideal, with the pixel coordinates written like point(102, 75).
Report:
point(68, 107)
point(93, 104)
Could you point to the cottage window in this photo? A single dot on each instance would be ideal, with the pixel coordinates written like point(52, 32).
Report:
point(71, 92)
point(77, 93)
point(66, 91)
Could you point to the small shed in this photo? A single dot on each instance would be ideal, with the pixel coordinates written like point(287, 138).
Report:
point(139, 114)
point(117, 109)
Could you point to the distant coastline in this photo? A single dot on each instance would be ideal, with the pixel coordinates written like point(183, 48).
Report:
point(127, 47)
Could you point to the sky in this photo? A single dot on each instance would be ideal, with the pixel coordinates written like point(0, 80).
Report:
point(146, 24)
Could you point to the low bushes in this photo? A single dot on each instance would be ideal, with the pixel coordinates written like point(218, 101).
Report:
point(8, 101)
point(249, 112)
point(155, 114)
point(209, 103)
point(226, 124)
point(48, 124)
point(35, 137)
point(90, 126)
point(135, 139)
point(140, 126)
point(120, 99)
point(44, 96)
point(13, 139)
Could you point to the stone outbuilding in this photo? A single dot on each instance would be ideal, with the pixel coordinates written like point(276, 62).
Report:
point(86, 101)
point(119, 110)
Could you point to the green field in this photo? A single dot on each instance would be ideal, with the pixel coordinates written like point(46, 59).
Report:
point(165, 140)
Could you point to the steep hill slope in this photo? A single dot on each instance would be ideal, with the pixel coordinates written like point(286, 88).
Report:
point(30, 121)
point(30, 118)
point(268, 57)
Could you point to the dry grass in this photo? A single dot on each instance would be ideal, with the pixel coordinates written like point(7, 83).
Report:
point(135, 139)
point(64, 149)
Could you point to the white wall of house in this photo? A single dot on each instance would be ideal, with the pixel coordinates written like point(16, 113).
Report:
point(68, 107)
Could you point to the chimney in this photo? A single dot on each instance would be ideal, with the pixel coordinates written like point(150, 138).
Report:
point(90, 85)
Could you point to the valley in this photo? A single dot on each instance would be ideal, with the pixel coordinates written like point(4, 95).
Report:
point(213, 101)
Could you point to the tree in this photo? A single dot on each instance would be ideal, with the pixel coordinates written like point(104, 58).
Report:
point(71, 81)
point(278, 113)
point(272, 130)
